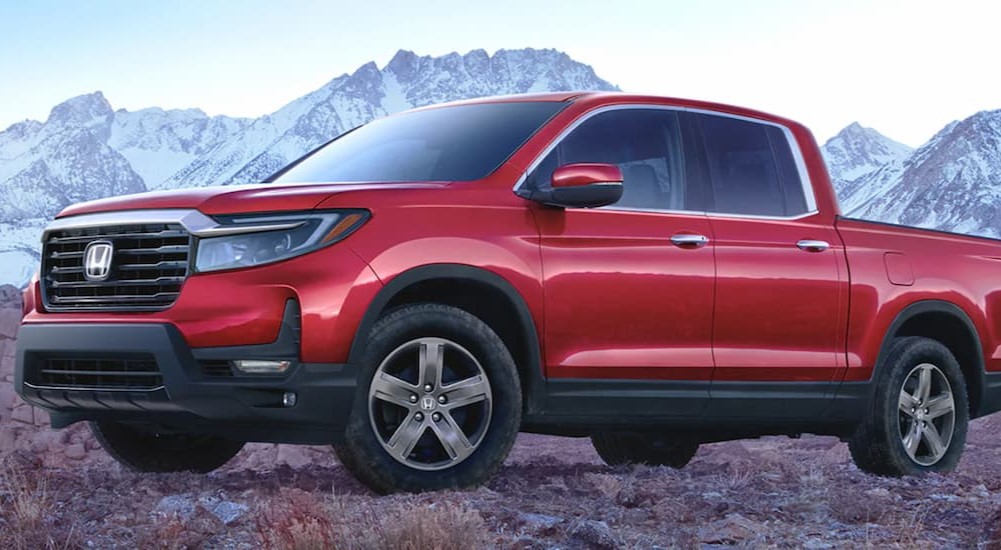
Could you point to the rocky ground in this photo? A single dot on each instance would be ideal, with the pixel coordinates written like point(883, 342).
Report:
point(58, 490)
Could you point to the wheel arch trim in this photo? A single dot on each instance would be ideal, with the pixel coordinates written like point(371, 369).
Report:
point(948, 308)
point(534, 381)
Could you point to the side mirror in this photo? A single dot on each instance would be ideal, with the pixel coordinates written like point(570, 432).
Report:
point(583, 185)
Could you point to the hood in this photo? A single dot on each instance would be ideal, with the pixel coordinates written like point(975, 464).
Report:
point(239, 199)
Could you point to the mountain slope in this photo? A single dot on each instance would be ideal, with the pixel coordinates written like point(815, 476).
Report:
point(86, 150)
point(407, 81)
point(952, 183)
point(862, 162)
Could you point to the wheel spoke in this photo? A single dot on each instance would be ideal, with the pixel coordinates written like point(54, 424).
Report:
point(907, 403)
point(934, 440)
point(924, 383)
point(392, 389)
point(913, 439)
point(452, 438)
point(429, 404)
point(406, 437)
point(466, 392)
point(432, 357)
point(940, 405)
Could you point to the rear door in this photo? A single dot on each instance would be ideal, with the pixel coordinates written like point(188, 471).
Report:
point(629, 287)
point(781, 294)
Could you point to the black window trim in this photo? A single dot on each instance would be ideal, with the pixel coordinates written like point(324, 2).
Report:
point(804, 176)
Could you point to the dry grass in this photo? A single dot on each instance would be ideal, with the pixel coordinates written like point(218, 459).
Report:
point(297, 520)
point(26, 512)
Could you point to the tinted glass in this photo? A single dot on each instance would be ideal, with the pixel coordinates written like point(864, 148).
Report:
point(644, 143)
point(792, 185)
point(752, 168)
point(459, 143)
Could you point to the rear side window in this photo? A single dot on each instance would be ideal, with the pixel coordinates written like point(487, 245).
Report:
point(752, 168)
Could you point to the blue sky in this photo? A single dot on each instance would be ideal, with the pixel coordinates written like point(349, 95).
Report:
point(905, 68)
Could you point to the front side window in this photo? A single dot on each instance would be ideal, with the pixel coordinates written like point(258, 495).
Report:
point(752, 168)
point(644, 143)
point(456, 143)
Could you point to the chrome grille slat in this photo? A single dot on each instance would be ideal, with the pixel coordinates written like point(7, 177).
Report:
point(118, 283)
point(170, 233)
point(150, 263)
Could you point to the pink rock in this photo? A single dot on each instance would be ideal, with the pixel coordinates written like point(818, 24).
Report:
point(293, 455)
point(5, 368)
point(7, 397)
point(75, 451)
point(10, 320)
point(7, 438)
point(23, 413)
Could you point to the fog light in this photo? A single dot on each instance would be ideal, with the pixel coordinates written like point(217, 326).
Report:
point(289, 399)
point(253, 366)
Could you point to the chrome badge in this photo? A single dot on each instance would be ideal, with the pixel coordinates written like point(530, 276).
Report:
point(97, 260)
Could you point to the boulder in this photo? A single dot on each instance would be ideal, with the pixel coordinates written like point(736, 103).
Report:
point(10, 320)
point(75, 451)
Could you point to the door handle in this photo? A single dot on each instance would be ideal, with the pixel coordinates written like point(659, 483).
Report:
point(811, 245)
point(688, 240)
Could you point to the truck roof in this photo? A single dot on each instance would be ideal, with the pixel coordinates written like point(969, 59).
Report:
point(597, 98)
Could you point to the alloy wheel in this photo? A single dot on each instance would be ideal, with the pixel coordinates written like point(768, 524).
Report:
point(927, 414)
point(430, 403)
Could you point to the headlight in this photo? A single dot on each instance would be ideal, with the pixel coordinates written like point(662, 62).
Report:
point(242, 241)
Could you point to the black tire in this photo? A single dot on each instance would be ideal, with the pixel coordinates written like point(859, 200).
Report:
point(617, 448)
point(364, 452)
point(878, 444)
point(144, 450)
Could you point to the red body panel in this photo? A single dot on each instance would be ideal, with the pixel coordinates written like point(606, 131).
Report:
point(776, 305)
point(585, 173)
point(960, 270)
point(621, 300)
point(609, 295)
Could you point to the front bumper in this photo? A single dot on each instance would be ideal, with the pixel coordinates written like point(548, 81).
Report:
point(188, 396)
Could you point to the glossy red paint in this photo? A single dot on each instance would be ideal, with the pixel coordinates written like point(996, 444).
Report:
point(609, 295)
point(586, 173)
point(778, 309)
point(620, 300)
point(245, 306)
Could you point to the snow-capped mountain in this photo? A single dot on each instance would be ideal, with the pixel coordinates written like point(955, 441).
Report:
point(951, 183)
point(861, 160)
point(407, 81)
point(86, 150)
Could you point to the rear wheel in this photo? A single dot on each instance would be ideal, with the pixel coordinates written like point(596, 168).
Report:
point(145, 449)
point(919, 413)
point(617, 448)
point(438, 404)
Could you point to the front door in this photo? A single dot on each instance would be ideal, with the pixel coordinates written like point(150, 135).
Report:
point(629, 287)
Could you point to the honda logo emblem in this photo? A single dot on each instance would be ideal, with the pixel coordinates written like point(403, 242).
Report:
point(97, 260)
point(427, 403)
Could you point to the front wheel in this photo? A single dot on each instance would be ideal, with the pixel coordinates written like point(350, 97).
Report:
point(438, 403)
point(145, 449)
point(919, 414)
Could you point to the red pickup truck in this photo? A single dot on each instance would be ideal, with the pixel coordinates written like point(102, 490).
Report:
point(652, 273)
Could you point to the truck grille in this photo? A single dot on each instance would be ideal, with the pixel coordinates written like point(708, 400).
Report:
point(121, 374)
point(148, 266)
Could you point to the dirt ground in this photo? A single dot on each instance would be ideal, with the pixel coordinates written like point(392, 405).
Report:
point(551, 493)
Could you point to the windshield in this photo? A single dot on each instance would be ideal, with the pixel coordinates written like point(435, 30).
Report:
point(458, 143)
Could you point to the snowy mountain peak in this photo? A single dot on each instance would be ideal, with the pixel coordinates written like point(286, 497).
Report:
point(406, 81)
point(857, 153)
point(84, 110)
